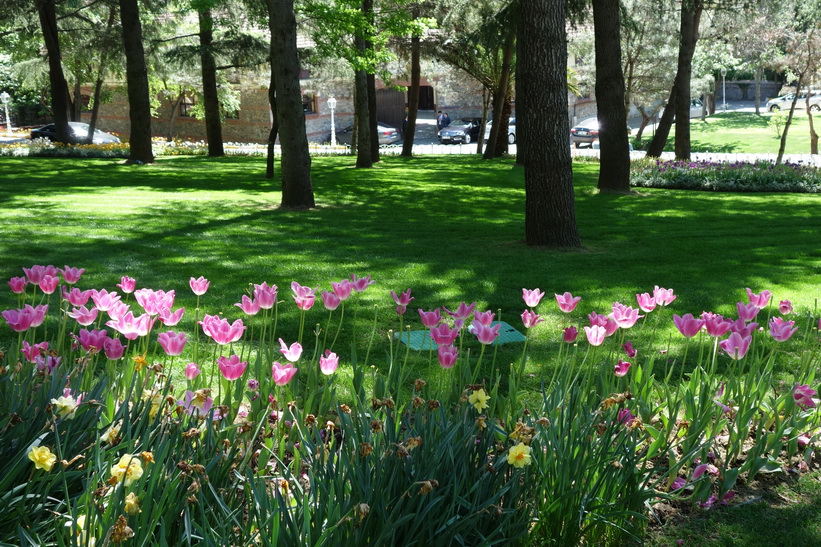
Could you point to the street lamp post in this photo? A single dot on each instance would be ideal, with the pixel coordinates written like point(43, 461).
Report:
point(724, 87)
point(332, 106)
point(4, 98)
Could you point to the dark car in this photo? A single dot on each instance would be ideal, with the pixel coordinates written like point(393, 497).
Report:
point(78, 132)
point(387, 134)
point(585, 132)
point(464, 130)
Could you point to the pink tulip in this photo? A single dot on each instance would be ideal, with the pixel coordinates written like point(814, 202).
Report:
point(91, 339)
point(18, 285)
point(39, 314)
point(430, 318)
point(32, 352)
point(172, 342)
point(785, 307)
point(715, 325)
point(154, 301)
point(328, 362)
point(629, 349)
point(170, 319)
point(113, 348)
point(447, 356)
point(342, 289)
point(47, 363)
point(402, 301)
point(221, 331)
point(35, 273)
point(759, 300)
point(265, 296)
point(742, 328)
point(76, 297)
point(646, 302)
point(688, 325)
point(132, 327)
point(484, 317)
point(462, 312)
point(609, 324)
point(48, 284)
point(595, 335)
point(803, 440)
point(443, 335)
point(360, 285)
point(330, 300)
point(72, 275)
point(484, 333)
point(191, 371)
point(625, 316)
point(567, 302)
point(117, 310)
point(303, 296)
point(782, 330)
point(530, 319)
point(83, 315)
point(622, 368)
point(626, 417)
point(127, 284)
point(532, 298)
point(736, 345)
point(747, 312)
point(803, 395)
point(20, 320)
point(663, 297)
point(704, 468)
point(103, 299)
point(231, 367)
point(678, 484)
point(292, 352)
point(250, 307)
point(199, 286)
point(570, 334)
point(282, 374)
point(197, 404)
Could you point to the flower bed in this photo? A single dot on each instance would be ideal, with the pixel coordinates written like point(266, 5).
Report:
point(260, 438)
point(760, 176)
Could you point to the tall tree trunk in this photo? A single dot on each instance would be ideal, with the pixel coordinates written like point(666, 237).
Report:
point(757, 90)
point(500, 95)
point(373, 129)
point(98, 84)
point(690, 18)
point(783, 144)
point(550, 215)
point(139, 105)
point(272, 136)
point(363, 134)
point(77, 102)
point(614, 171)
point(47, 12)
point(502, 143)
point(413, 95)
point(210, 98)
point(656, 146)
point(295, 168)
point(813, 134)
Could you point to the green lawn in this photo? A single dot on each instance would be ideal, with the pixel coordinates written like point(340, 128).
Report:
point(746, 133)
point(450, 229)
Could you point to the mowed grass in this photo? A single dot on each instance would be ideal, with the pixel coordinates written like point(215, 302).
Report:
point(449, 228)
point(746, 133)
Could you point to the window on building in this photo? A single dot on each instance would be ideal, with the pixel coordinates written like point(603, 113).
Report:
point(309, 103)
point(187, 107)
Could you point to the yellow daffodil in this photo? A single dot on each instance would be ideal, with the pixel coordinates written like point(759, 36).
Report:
point(519, 455)
point(127, 470)
point(42, 457)
point(111, 434)
point(479, 400)
point(64, 407)
point(155, 400)
point(132, 504)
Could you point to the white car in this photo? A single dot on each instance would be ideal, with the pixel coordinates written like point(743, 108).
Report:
point(511, 130)
point(784, 102)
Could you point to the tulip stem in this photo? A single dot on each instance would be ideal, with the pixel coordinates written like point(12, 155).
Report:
point(339, 327)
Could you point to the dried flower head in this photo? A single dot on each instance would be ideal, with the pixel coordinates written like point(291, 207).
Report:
point(121, 532)
point(376, 426)
point(417, 402)
point(433, 404)
point(365, 449)
point(419, 384)
point(427, 486)
point(345, 408)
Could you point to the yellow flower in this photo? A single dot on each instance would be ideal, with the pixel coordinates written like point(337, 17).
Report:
point(111, 434)
point(132, 504)
point(65, 407)
point(479, 400)
point(153, 399)
point(42, 457)
point(519, 455)
point(127, 470)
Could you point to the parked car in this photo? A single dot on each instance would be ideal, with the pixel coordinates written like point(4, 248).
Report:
point(696, 108)
point(387, 134)
point(464, 130)
point(585, 132)
point(511, 130)
point(783, 102)
point(78, 132)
